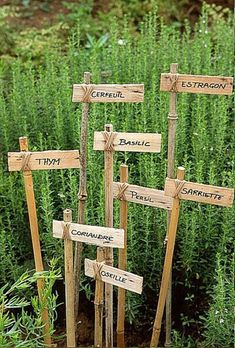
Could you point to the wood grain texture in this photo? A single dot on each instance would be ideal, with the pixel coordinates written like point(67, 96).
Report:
point(99, 305)
point(82, 193)
point(115, 276)
point(198, 84)
point(166, 274)
point(108, 93)
point(96, 235)
point(172, 125)
point(34, 230)
point(201, 193)
point(53, 159)
point(143, 195)
point(108, 181)
point(122, 261)
point(69, 285)
point(133, 142)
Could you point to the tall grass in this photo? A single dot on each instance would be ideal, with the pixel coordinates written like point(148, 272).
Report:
point(36, 101)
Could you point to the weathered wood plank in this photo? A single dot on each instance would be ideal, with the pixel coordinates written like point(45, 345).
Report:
point(197, 84)
point(201, 193)
point(143, 195)
point(101, 236)
point(53, 159)
point(108, 93)
point(134, 142)
point(114, 276)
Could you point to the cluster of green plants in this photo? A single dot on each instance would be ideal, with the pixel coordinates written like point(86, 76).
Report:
point(21, 322)
point(36, 101)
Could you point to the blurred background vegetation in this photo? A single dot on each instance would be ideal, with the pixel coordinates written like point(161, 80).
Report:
point(28, 27)
point(46, 47)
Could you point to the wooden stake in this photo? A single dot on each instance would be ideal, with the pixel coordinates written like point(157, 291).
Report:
point(33, 221)
point(82, 195)
point(69, 281)
point(167, 265)
point(122, 259)
point(108, 173)
point(172, 124)
point(99, 304)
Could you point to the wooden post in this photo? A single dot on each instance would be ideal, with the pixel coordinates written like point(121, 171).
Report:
point(99, 304)
point(108, 174)
point(82, 194)
point(172, 124)
point(33, 221)
point(69, 281)
point(122, 259)
point(167, 264)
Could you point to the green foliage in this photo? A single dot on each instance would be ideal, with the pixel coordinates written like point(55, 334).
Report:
point(219, 330)
point(21, 328)
point(36, 101)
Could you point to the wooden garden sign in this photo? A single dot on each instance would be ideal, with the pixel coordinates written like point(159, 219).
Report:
point(108, 93)
point(176, 83)
point(179, 189)
point(100, 236)
point(109, 142)
point(26, 161)
point(114, 276)
point(196, 84)
point(89, 93)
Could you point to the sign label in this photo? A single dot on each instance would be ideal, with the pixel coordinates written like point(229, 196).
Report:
point(134, 142)
point(114, 276)
point(108, 93)
point(197, 84)
point(43, 160)
point(143, 195)
point(201, 193)
point(101, 236)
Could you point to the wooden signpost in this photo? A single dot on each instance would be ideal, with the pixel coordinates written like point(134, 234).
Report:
point(142, 195)
point(108, 93)
point(100, 236)
point(114, 276)
point(175, 83)
point(191, 191)
point(43, 160)
point(197, 84)
point(26, 161)
point(180, 189)
point(109, 141)
point(134, 142)
point(88, 93)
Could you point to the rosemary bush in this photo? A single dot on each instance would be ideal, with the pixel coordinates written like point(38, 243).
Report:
point(36, 101)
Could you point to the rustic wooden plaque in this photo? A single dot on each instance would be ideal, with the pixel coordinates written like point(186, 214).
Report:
point(197, 84)
point(114, 276)
point(101, 236)
point(108, 93)
point(143, 195)
point(201, 193)
point(134, 142)
point(54, 159)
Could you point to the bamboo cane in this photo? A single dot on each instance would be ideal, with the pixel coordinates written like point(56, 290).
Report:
point(82, 195)
point(172, 124)
point(167, 265)
point(69, 281)
point(33, 221)
point(108, 164)
point(122, 259)
point(99, 304)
